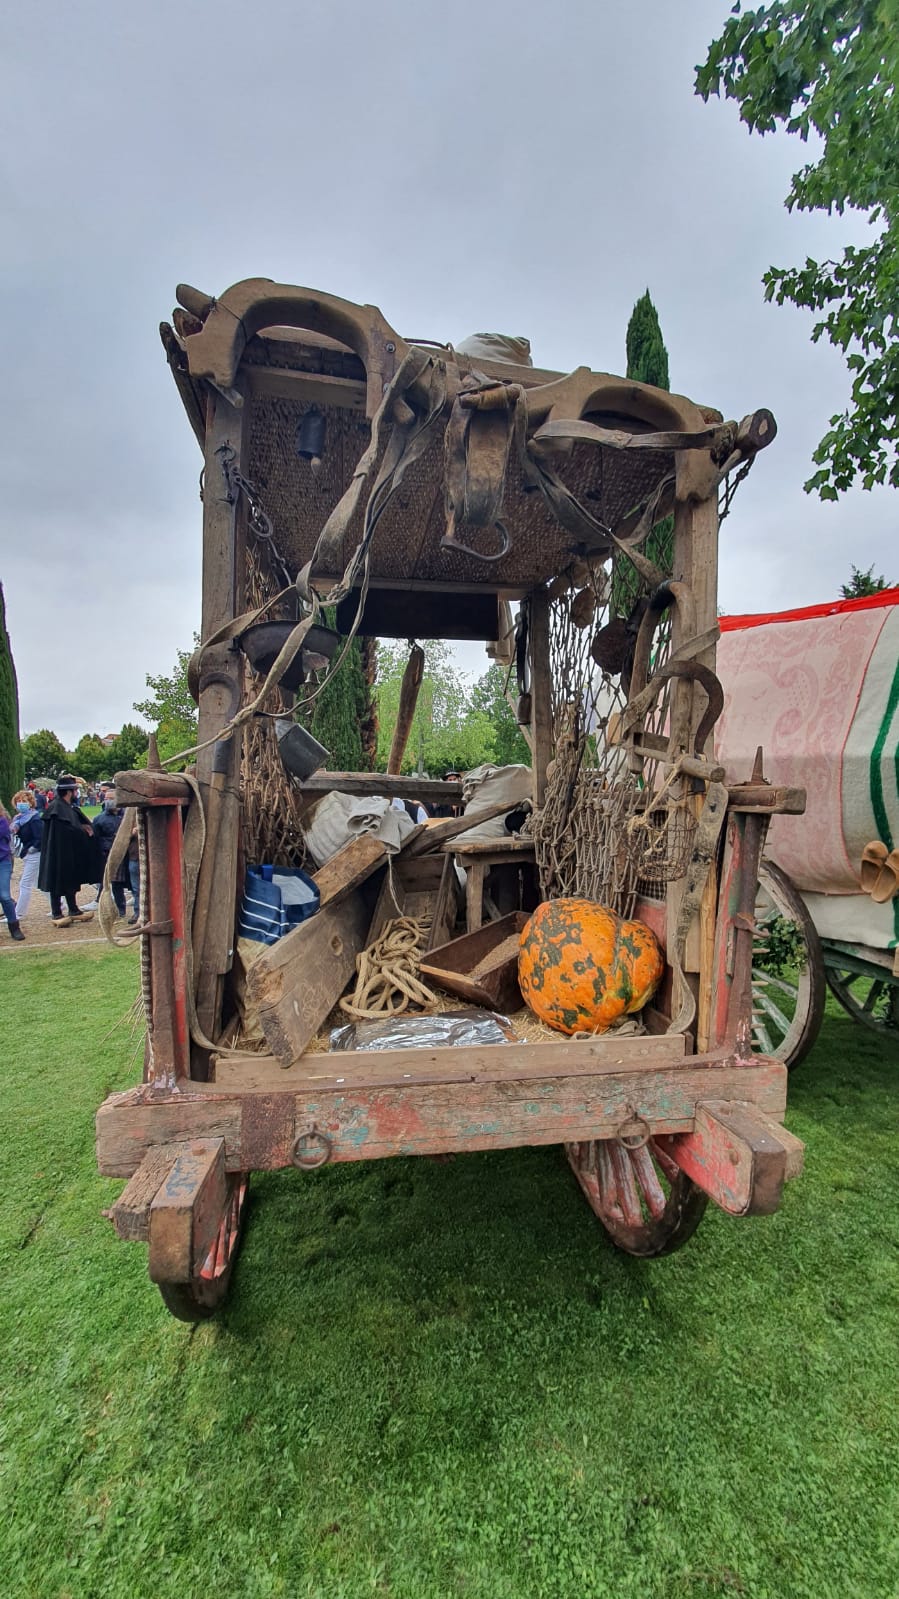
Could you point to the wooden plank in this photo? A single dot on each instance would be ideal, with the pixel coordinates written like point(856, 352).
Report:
point(484, 1063)
point(695, 563)
point(392, 787)
point(297, 982)
point(740, 1158)
point(370, 1122)
point(352, 865)
point(541, 691)
point(497, 850)
point(768, 800)
point(130, 1213)
point(314, 387)
point(130, 1124)
point(218, 765)
point(446, 905)
point(436, 834)
point(140, 786)
point(186, 1213)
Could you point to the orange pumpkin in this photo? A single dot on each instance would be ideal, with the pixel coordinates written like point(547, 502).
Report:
point(581, 968)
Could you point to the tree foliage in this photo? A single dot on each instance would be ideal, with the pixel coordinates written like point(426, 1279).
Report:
point(647, 362)
point(817, 67)
point(91, 758)
point(647, 357)
point(124, 754)
point(863, 583)
point(170, 710)
point(43, 755)
point(509, 746)
point(448, 732)
point(342, 710)
point(11, 763)
point(170, 698)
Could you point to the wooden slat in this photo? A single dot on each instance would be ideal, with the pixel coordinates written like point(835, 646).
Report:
point(187, 1211)
point(370, 1122)
point(738, 1156)
point(314, 387)
point(297, 982)
point(483, 1063)
point(436, 834)
point(446, 905)
point(511, 849)
point(364, 783)
point(352, 865)
point(541, 691)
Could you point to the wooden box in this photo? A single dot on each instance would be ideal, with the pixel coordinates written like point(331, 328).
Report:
point(481, 966)
point(425, 885)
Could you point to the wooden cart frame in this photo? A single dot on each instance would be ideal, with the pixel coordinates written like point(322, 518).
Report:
point(653, 1124)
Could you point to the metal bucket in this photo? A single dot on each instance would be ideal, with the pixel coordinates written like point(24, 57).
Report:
point(300, 752)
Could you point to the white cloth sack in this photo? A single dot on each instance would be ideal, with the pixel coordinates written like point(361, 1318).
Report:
point(341, 817)
point(491, 785)
point(497, 347)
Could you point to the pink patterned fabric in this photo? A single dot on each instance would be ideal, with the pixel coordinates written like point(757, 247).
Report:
point(793, 687)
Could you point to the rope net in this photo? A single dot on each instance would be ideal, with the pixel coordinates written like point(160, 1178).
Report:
point(271, 808)
point(610, 828)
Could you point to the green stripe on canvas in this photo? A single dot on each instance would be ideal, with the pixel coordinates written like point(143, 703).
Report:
point(876, 781)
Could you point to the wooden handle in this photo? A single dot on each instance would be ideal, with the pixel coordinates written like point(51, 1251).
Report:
point(409, 692)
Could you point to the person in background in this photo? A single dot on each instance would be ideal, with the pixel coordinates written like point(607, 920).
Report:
point(6, 900)
point(69, 855)
point(27, 825)
point(106, 825)
point(134, 876)
point(413, 808)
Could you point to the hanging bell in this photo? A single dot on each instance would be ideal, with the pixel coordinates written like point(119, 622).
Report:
point(311, 436)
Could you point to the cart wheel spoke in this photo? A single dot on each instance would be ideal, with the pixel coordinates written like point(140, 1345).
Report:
point(628, 1194)
point(648, 1178)
point(781, 1022)
point(762, 1037)
point(645, 1203)
point(868, 997)
point(788, 1025)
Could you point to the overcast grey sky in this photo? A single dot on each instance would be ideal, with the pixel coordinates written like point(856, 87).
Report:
point(489, 165)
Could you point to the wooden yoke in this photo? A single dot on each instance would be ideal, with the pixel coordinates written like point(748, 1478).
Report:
point(221, 681)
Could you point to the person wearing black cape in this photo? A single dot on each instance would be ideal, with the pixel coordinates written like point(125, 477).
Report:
point(70, 854)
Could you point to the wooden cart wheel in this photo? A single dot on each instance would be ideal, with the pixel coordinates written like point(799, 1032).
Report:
point(787, 1006)
point(200, 1298)
point(645, 1203)
point(868, 998)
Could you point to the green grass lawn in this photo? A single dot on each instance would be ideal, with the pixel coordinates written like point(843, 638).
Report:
point(439, 1379)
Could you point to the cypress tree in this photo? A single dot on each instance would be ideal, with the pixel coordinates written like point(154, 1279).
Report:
point(12, 769)
point(647, 362)
point(342, 714)
point(647, 358)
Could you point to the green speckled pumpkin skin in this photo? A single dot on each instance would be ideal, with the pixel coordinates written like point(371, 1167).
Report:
point(581, 968)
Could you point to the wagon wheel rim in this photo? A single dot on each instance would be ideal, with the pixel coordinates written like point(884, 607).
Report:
point(646, 1204)
point(200, 1298)
point(873, 1001)
point(787, 1010)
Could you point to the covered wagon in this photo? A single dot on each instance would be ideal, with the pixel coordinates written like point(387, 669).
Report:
point(819, 687)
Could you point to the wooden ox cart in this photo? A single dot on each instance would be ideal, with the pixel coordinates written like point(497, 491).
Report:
point(423, 491)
